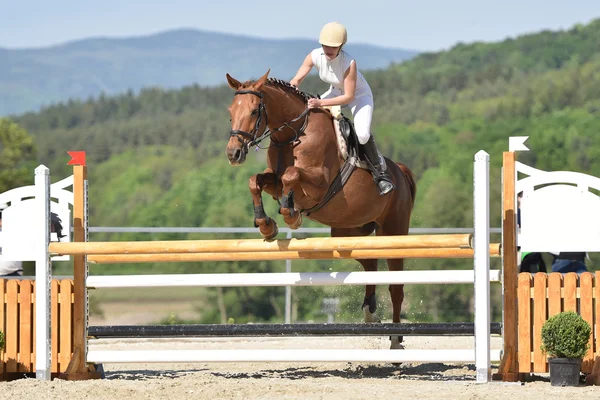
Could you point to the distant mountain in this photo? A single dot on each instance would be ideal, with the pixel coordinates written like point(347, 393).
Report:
point(31, 78)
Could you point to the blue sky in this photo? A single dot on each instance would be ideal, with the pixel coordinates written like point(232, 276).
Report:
point(415, 24)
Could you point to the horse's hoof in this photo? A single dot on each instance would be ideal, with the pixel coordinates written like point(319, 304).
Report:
point(370, 317)
point(294, 223)
point(395, 343)
point(269, 231)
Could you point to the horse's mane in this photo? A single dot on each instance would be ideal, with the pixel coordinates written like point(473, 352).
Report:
point(286, 86)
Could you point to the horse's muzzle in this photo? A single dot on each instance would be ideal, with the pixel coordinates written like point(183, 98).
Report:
point(236, 155)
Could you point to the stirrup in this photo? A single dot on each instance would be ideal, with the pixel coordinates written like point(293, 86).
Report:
point(384, 187)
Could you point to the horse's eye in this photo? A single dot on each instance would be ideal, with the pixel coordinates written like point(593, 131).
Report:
point(254, 112)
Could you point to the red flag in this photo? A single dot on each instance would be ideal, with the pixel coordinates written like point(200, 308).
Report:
point(77, 157)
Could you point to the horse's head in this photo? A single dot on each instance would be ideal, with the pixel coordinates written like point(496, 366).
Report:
point(248, 117)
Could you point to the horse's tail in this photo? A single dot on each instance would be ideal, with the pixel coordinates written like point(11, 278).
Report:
point(410, 177)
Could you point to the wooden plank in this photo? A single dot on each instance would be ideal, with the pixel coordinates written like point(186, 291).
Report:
point(12, 326)
point(25, 327)
point(79, 268)
point(570, 292)
point(524, 304)
point(2, 321)
point(54, 289)
point(33, 346)
point(586, 310)
point(555, 280)
point(597, 313)
point(510, 369)
point(540, 315)
point(65, 341)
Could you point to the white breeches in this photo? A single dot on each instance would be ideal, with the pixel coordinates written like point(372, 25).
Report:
point(362, 113)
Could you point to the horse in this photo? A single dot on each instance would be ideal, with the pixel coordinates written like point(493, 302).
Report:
point(304, 163)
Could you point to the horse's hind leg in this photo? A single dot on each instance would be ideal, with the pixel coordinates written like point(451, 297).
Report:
point(369, 305)
point(396, 291)
point(397, 295)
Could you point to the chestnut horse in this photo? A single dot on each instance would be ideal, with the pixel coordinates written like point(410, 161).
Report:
point(303, 160)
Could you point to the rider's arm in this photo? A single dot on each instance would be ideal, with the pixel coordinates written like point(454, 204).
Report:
point(303, 71)
point(349, 89)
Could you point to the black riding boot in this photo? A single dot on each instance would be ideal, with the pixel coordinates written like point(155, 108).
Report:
point(384, 183)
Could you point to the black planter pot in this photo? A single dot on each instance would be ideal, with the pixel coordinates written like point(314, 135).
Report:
point(564, 371)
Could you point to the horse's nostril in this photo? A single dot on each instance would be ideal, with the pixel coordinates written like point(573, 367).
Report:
point(237, 154)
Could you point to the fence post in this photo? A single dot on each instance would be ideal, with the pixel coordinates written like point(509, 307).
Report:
point(43, 274)
point(481, 217)
point(288, 289)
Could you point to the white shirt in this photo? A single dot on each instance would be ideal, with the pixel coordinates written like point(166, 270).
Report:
point(333, 71)
point(8, 267)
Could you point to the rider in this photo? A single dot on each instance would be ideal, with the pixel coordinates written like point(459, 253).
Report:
point(347, 87)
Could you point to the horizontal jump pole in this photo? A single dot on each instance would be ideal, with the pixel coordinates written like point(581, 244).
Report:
point(290, 255)
point(289, 355)
point(287, 279)
point(254, 245)
point(284, 330)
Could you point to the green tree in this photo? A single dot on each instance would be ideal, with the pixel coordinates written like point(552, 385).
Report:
point(16, 155)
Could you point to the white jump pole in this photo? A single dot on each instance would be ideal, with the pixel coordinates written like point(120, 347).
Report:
point(287, 279)
point(43, 272)
point(481, 217)
point(283, 355)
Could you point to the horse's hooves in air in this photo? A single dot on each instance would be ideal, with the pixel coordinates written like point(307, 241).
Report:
point(270, 231)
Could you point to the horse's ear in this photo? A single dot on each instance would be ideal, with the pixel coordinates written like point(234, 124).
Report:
point(261, 81)
point(233, 83)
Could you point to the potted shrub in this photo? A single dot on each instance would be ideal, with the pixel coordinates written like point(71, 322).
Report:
point(565, 338)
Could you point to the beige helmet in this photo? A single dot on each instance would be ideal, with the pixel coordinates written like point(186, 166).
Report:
point(333, 34)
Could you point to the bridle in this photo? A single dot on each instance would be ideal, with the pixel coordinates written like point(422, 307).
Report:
point(254, 138)
point(251, 136)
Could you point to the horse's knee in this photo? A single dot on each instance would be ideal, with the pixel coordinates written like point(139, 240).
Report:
point(254, 185)
point(290, 177)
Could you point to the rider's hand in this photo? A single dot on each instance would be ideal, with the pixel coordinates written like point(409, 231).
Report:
point(314, 103)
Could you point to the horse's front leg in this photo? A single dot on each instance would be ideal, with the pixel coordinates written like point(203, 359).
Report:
point(257, 183)
point(294, 180)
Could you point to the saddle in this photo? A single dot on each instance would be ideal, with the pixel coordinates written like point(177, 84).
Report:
point(348, 145)
point(351, 152)
point(349, 149)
